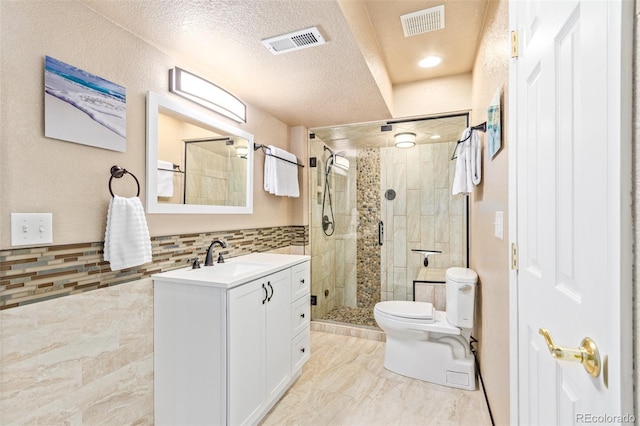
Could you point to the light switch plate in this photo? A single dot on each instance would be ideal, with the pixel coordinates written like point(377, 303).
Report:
point(499, 225)
point(31, 229)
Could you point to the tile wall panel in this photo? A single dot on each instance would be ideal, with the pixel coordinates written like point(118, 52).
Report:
point(31, 275)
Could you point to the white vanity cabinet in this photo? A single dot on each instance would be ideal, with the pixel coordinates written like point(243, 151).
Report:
point(225, 352)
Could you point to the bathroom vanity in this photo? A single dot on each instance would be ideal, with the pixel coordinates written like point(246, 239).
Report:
point(230, 339)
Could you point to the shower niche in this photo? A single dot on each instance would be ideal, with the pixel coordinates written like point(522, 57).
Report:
point(407, 189)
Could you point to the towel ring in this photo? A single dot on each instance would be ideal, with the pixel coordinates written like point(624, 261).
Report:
point(117, 172)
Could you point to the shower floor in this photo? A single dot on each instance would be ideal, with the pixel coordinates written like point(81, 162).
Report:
point(355, 316)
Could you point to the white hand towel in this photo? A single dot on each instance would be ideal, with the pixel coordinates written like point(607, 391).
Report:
point(475, 158)
point(126, 241)
point(281, 177)
point(165, 179)
point(468, 172)
point(286, 178)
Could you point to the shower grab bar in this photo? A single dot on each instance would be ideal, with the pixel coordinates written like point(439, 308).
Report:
point(266, 148)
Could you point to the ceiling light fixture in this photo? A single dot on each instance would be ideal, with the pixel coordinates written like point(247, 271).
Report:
point(207, 94)
point(430, 61)
point(242, 151)
point(405, 140)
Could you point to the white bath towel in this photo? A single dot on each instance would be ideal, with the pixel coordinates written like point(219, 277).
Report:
point(165, 179)
point(469, 163)
point(281, 177)
point(269, 173)
point(126, 240)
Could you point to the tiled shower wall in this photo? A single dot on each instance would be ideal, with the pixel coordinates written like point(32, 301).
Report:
point(347, 214)
point(368, 200)
point(215, 179)
point(423, 215)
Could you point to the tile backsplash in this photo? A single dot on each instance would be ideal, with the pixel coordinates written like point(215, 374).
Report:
point(30, 275)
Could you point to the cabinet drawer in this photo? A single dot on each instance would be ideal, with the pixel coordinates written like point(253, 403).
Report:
point(300, 280)
point(300, 350)
point(300, 313)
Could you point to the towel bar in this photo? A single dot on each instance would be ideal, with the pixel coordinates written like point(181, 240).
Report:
point(117, 172)
point(482, 127)
point(264, 149)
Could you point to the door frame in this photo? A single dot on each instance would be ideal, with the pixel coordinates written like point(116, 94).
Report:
point(623, 45)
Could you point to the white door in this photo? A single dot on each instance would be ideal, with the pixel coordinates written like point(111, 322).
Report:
point(570, 108)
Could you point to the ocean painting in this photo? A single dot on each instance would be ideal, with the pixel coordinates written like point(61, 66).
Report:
point(494, 130)
point(83, 108)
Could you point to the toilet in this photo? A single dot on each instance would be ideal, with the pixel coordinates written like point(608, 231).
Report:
point(432, 345)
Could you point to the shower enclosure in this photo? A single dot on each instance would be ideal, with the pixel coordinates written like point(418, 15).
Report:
point(372, 204)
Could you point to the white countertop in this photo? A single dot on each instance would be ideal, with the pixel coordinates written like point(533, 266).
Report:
point(234, 272)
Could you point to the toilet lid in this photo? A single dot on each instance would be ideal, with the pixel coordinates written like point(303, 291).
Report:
point(407, 309)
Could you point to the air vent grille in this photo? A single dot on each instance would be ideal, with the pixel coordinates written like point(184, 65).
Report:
point(294, 41)
point(423, 21)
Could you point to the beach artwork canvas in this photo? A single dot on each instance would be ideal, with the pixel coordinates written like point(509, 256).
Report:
point(83, 108)
point(494, 126)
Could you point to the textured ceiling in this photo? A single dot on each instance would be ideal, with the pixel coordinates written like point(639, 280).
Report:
point(347, 80)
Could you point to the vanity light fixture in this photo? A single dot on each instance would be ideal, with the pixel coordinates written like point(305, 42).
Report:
point(435, 137)
point(207, 94)
point(430, 61)
point(405, 140)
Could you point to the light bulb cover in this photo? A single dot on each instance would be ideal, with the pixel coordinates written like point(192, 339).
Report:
point(207, 94)
point(405, 140)
point(430, 61)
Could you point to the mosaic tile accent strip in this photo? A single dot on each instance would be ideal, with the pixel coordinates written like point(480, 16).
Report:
point(368, 249)
point(31, 275)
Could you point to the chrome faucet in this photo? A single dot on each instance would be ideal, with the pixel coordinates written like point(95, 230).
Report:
point(208, 261)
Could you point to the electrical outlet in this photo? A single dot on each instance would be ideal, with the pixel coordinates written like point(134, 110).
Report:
point(31, 229)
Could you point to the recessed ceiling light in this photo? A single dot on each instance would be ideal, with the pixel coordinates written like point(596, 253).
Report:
point(430, 61)
point(435, 137)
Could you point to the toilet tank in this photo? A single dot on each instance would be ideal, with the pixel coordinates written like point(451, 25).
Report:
point(461, 292)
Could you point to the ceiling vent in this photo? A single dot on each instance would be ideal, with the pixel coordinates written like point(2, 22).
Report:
point(294, 41)
point(423, 21)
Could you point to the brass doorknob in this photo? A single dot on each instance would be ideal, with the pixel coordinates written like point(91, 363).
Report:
point(587, 354)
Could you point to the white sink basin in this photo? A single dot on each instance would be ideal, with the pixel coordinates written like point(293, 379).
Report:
point(236, 269)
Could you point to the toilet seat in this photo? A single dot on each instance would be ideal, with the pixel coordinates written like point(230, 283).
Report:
point(405, 309)
point(436, 324)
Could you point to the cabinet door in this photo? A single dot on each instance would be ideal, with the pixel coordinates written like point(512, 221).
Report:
point(246, 352)
point(278, 333)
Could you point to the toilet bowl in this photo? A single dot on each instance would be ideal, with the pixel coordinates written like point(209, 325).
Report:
point(431, 345)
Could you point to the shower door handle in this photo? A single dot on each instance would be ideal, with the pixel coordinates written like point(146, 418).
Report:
point(380, 232)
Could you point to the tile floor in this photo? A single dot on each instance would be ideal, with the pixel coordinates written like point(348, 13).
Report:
point(345, 383)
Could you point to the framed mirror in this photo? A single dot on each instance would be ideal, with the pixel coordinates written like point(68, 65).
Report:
point(195, 162)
